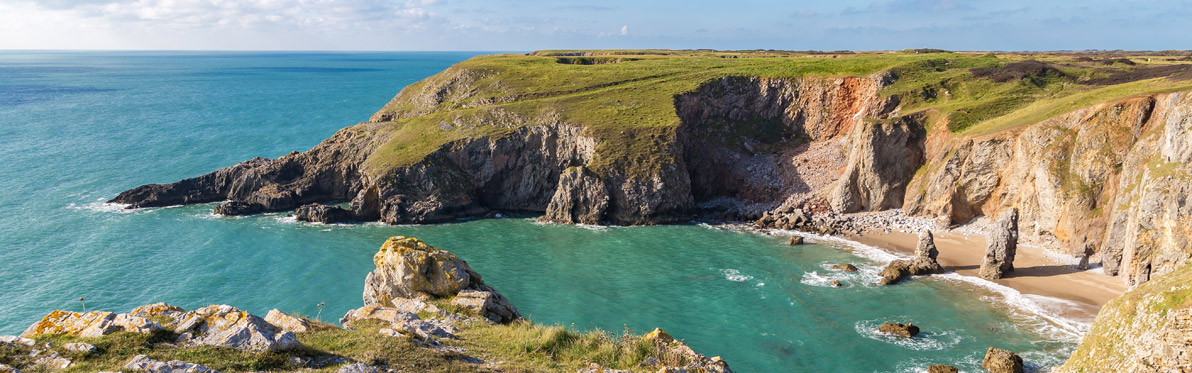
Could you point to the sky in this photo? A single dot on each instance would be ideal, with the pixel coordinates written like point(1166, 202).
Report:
point(524, 25)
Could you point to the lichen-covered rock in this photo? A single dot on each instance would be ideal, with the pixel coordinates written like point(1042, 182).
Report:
point(287, 322)
point(487, 303)
point(696, 361)
point(1147, 329)
point(4, 368)
point(226, 326)
point(1001, 361)
point(146, 364)
point(90, 324)
point(409, 268)
point(378, 312)
point(1001, 245)
point(581, 197)
point(156, 309)
point(907, 330)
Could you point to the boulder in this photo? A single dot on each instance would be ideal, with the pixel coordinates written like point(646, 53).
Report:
point(899, 269)
point(91, 324)
point(409, 268)
point(835, 283)
point(286, 322)
point(15, 340)
point(1001, 245)
point(86, 348)
point(157, 309)
point(907, 330)
point(235, 208)
point(226, 326)
point(844, 267)
point(940, 368)
point(324, 214)
point(52, 360)
point(795, 240)
point(1002, 361)
point(488, 304)
point(357, 367)
point(146, 364)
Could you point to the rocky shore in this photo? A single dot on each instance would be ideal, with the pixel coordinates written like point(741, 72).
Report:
point(424, 310)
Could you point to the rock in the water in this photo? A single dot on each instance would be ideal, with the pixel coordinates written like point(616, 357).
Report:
point(926, 247)
point(90, 324)
point(1001, 245)
point(940, 368)
point(899, 269)
point(357, 367)
point(235, 208)
point(835, 283)
point(324, 214)
point(86, 348)
point(1002, 361)
point(795, 240)
point(287, 322)
point(409, 268)
point(146, 364)
point(844, 267)
point(487, 303)
point(226, 326)
point(907, 330)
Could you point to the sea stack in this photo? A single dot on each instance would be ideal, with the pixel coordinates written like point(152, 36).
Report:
point(924, 262)
point(1001, 246)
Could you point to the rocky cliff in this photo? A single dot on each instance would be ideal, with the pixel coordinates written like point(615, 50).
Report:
point(669, 137)
point(1149, 329)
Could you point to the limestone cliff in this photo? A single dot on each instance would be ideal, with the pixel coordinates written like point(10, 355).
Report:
point(1113, 176)
point(1149, 329)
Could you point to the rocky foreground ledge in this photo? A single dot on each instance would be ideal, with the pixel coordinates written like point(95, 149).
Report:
point(424, 310)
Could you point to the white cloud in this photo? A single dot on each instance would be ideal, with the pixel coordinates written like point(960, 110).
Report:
point(625, 30)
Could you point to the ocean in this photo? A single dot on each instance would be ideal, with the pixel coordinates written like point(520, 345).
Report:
point(76, 128)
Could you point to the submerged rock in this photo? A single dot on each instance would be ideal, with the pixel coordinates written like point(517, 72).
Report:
point(1001, 245)
point(940, 368)
point(227, 326)
point(795, 240)
point(91, 324)
point(1002, 361)
point(907, 330)
point(847, 267)
point(409, 268)
point(146, 364)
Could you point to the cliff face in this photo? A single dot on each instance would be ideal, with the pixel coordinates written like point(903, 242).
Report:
point(1148, 329)
point(1113, 177)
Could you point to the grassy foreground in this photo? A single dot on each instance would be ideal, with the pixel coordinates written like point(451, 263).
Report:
point(627, 97)
point(518, 347)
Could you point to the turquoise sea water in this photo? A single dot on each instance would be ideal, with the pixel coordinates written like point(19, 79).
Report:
point(76, 128)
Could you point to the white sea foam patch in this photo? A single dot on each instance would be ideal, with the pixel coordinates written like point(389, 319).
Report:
point(1041, 312)
point(591, 227)
point(735, 275)
point(102, 206)
point(814, 278)
point(927, 340)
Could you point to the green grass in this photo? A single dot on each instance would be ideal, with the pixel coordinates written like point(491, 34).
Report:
point(534, 347)
point(626, 98)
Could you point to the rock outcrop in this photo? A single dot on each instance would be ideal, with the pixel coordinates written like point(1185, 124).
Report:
point(324, 214)
point(580, 198)
point(696, 362)
point(1000, 247)
point(901, 330)
point(227, 326)
point(1148, 329)
point(89, 325)
point(924, 262)
point(407, 268)
point(286, 322)
point(940, 368)
point(1001, 361)
point(146, 364)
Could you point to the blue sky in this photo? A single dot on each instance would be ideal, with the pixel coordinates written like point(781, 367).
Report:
point(528, 25)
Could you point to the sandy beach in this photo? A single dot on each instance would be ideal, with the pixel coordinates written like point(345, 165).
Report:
point(1034, 274)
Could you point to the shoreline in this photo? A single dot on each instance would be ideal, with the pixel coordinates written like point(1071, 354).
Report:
point(1036, 273)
